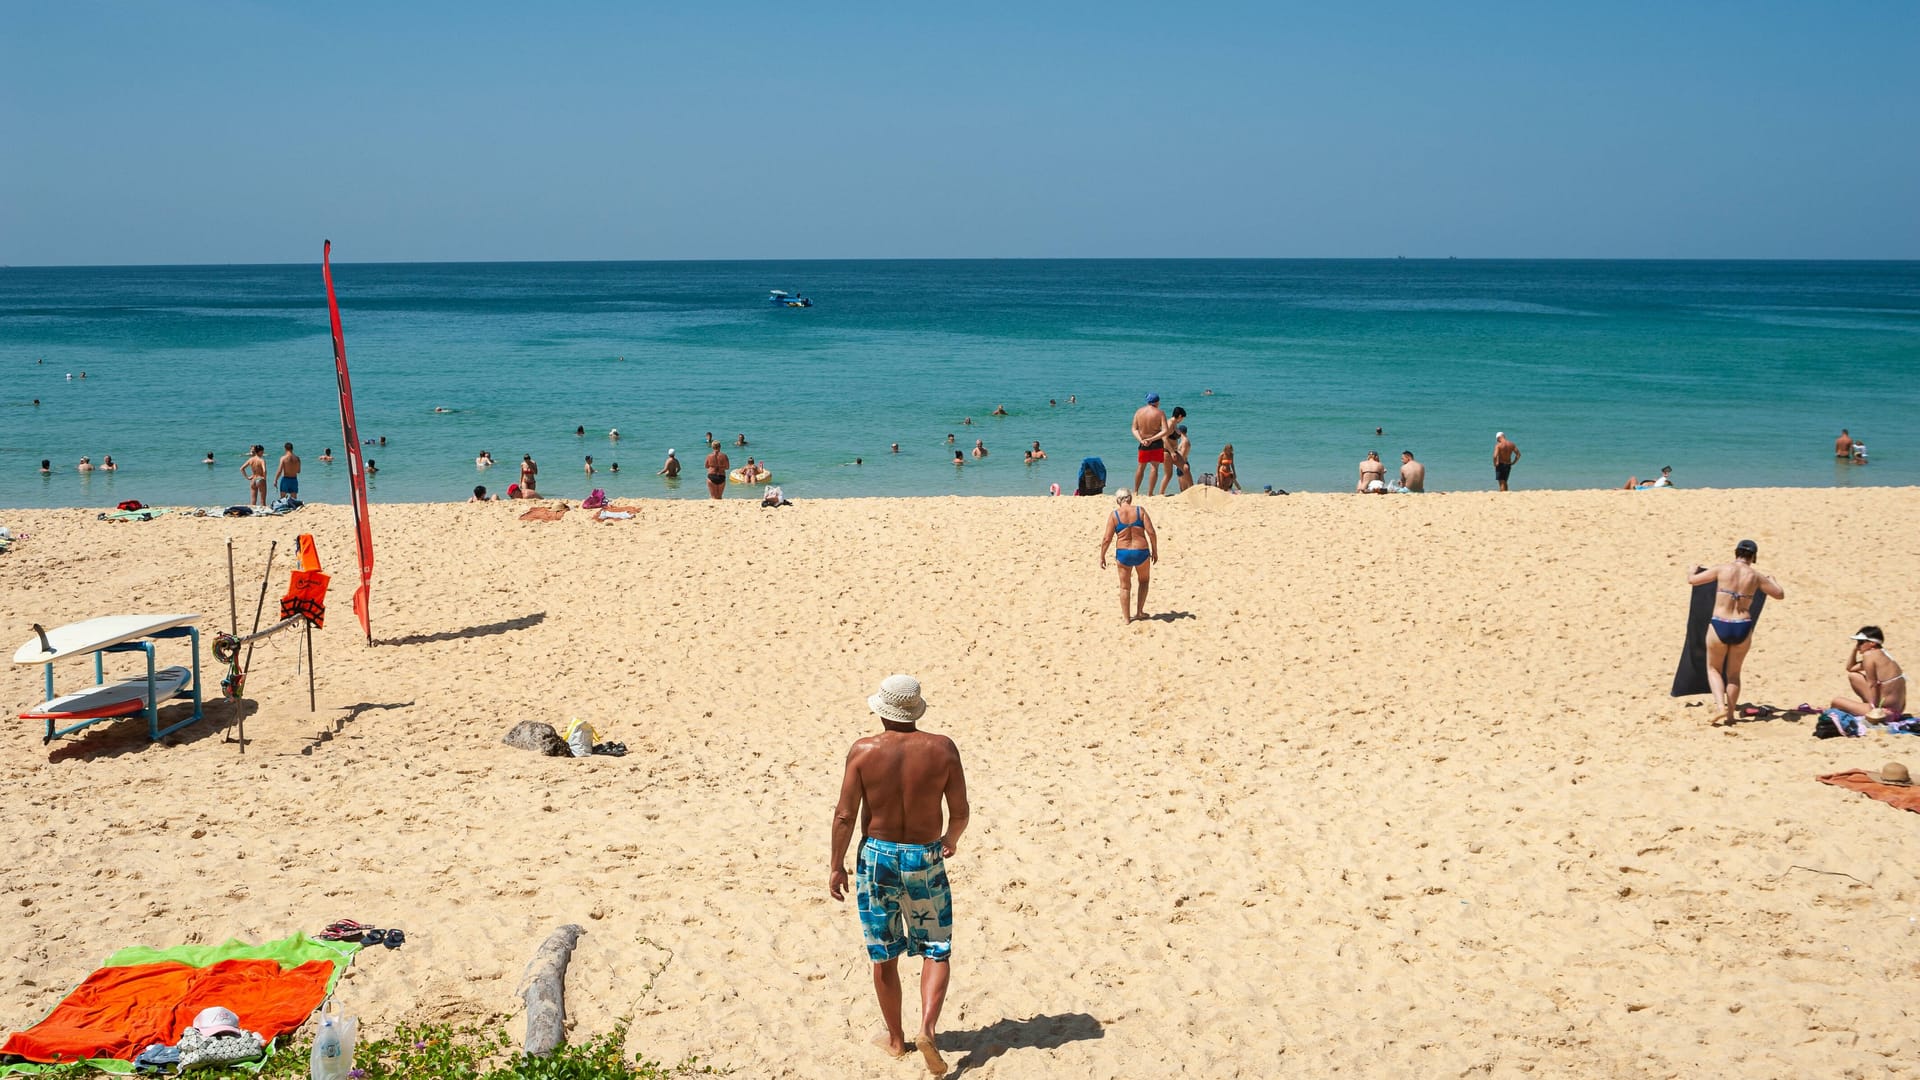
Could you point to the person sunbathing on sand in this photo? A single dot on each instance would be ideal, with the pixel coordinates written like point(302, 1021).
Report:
point(1730, 633)
point(1879, 685)
point(1664, 480)
point(1373, 475)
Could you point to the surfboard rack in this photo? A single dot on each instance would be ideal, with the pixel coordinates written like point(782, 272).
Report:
point(116, 634)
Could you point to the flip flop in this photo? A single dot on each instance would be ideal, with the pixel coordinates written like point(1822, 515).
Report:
point(348, 924)
point(373, 937)
point(396, 938)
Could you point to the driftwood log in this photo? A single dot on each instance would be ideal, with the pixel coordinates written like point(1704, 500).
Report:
point(546, 992)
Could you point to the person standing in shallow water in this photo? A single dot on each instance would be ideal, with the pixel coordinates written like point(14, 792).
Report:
point(717, 466)
point(893, 788)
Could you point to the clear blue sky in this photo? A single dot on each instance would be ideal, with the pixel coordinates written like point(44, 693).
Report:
point(189, 131)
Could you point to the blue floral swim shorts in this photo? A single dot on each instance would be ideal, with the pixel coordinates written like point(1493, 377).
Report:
point(905, 905)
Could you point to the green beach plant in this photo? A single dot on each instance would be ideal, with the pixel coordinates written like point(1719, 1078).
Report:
point(485, 1051)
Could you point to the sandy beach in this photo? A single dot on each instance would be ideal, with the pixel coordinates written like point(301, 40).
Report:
point(1389, 786)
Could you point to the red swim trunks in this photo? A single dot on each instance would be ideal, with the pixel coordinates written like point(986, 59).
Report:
point(1153, 456)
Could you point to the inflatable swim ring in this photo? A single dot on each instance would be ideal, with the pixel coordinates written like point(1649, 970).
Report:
point(739, 476)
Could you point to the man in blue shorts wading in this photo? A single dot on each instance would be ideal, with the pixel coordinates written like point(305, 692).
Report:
point(894, 785)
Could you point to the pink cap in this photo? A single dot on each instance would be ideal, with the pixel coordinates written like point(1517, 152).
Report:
point(217, 1021)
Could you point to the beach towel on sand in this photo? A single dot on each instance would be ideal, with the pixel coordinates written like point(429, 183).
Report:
point(142, 996)
point(1904, 796)
point(543, 513)
point(1691, 676)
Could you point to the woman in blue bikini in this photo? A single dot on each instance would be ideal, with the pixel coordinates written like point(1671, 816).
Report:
point(1136, 548)
point(1730, 633)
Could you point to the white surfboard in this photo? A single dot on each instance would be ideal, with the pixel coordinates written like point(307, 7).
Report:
point(92, 635)
point(114, 699)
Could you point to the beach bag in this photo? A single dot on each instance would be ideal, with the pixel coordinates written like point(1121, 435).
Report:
point(594, 501)
point(132, 504)
point(1835, 723)
point(199, 1051)
point(581, 737)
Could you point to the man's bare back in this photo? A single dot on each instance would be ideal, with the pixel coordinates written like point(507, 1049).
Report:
point(903, 778)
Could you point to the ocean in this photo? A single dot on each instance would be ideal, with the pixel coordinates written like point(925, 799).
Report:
point(1737, 374)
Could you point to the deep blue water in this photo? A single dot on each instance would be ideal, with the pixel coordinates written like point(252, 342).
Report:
point(1736, 373)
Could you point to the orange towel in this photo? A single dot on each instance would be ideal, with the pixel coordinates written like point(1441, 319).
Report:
point(1905, 797)
point(542, 513)
point(120, 1011)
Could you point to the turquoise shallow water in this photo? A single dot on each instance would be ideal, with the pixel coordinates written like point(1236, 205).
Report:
point(1737, 374)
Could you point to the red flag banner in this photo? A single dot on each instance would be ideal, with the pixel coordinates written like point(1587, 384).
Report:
point(356, 465)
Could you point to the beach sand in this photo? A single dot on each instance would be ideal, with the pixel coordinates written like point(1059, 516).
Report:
point(1389, 786)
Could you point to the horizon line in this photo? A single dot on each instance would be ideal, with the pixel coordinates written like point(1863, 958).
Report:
point(976, 259)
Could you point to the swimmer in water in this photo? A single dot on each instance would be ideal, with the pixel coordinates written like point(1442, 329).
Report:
point(209, 460)
point(959, 458)
point(896, 448)
point(328, 456)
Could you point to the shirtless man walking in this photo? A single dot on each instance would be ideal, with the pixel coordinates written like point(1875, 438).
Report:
point(895, 782)
point(255, 470)
point(1150, 431)
point(287, 476)
point(1505, 455)
point(717, 466)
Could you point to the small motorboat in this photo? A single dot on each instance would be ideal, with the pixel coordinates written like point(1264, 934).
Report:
point(785, 299)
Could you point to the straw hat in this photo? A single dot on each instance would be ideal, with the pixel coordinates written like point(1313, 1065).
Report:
point(1893, 773)
point(898, 700)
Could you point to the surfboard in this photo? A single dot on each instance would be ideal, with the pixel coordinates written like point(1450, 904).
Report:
point(114, 699)
point(1691, 676)
point(92, 635)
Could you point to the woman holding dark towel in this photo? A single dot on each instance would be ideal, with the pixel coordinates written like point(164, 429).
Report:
point(1730, 633)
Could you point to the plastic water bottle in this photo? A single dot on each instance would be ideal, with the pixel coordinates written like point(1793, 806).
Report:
point(333, 1047)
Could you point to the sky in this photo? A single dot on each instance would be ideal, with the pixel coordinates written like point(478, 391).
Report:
point(194, 131)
